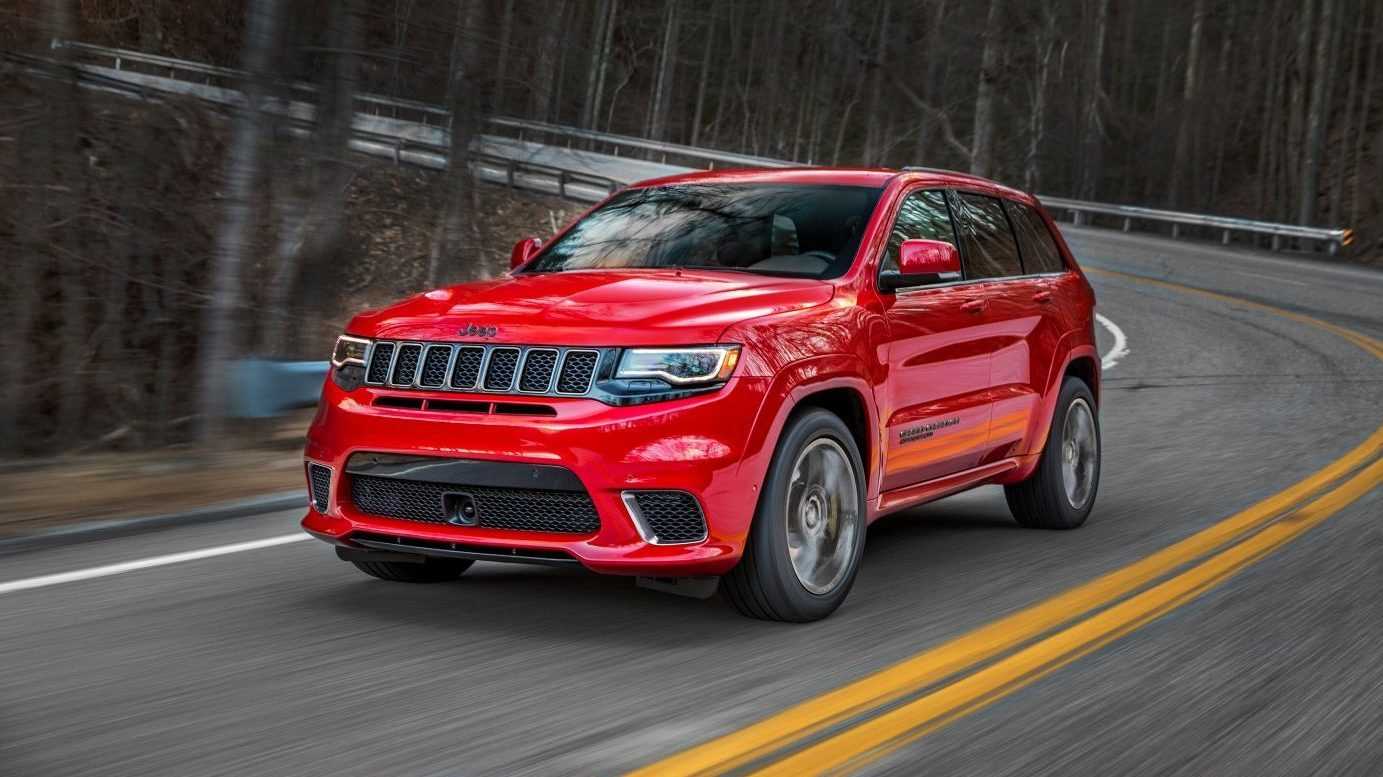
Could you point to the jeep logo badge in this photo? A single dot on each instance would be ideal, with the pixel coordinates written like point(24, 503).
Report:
point(472, 330)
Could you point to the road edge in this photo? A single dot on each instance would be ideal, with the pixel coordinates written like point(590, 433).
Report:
point(118, 527)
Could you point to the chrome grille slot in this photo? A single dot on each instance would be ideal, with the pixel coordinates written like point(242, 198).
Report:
point(499, 371)
point(578, 368)
point(406, 364)
point(466, 371)
point(436, 358)
point(538, 366)
point(380, 359)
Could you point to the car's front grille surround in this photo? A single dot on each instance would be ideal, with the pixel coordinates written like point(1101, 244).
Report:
point(511, 509)
point(492, 369)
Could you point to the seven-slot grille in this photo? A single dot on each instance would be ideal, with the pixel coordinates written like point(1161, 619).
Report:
point(514, 509)
point(498, 369)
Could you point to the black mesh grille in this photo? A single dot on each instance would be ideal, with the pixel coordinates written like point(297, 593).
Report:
point(406, 366)
point(379, 362)
point(537, 369)
point(467, 369)
point(577, 370)
point(672, 516)
point(499, 374)
point(435, 366)
point(320, 479)
point(517, 509)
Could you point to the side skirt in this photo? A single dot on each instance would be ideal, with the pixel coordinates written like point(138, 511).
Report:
point(910, 496)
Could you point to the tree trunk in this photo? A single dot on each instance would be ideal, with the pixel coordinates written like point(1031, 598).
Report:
point(1092, 133)
point(241, 177)
point(657, 120)
point(501, 84)
point(1365, 112)
point(1300, 78)
point(1044, 46)
point(930, 86)
point(1188, 99)
point(1315, 123)
point(545, 61)
point(599, 25)
point(982, 139)
point(874, 125)
point(705, 75)
point(449, 236)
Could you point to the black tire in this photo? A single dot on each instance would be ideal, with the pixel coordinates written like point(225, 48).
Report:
point(764, 585)
point(434, 570)
point(1041, 501)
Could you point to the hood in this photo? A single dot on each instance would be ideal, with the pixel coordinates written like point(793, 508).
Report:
point(594, 308)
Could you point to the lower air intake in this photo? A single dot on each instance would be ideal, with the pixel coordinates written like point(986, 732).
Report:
point(319, 478)
point(667, 517)
point(514, 509)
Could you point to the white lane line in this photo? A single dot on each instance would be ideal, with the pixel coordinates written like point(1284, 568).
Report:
point(44, 581)
point(1120, 349)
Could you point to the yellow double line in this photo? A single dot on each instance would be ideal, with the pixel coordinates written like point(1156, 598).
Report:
point(851, 726)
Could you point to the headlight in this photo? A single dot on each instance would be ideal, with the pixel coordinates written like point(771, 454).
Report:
point(680, 366)
point(349, 350)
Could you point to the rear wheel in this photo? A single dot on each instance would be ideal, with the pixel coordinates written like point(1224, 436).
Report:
point(1061, 491)
point(432, 570)
point(805, 544)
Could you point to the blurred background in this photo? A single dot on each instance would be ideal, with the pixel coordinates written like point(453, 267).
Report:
point(187, 189)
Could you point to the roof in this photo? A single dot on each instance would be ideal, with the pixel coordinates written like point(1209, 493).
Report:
point(846, 176)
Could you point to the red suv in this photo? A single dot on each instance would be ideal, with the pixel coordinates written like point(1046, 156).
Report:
point(725, 374)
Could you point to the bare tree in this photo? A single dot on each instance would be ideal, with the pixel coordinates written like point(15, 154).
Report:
point(242, 168)
point(1315, 123)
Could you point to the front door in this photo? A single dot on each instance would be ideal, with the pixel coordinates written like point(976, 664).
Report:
point(934, 402)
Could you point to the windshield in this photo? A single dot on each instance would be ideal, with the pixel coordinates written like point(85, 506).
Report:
point(800, 230)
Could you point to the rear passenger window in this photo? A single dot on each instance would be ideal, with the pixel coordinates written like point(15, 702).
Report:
point(1040, 253)
point(922, 216)
point(990, 250)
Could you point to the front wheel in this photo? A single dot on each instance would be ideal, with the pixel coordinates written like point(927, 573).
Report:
point(807, 539)
point(1061, 491)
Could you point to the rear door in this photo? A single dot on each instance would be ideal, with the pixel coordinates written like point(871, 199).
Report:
point(1042, 305)
point(935, 401)
point(992, 254)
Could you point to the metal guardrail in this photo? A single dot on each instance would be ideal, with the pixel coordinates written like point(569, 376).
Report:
point(1081, 212)
point(516, 173)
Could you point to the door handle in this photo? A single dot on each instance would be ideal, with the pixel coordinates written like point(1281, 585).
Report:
point(974, 306)
point(1042, 296)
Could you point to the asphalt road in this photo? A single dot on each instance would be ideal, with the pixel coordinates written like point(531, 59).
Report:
point(283, 661)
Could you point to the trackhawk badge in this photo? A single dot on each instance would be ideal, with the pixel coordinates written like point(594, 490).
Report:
point(926, 430)
point(472, 330)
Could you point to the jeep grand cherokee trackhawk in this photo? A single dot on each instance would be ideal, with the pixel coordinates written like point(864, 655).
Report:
point(720, 374)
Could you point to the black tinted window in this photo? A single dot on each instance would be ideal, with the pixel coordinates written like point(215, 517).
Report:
point(801, 230)
point(922, 216)
point(1040, 253)
point(990, 250)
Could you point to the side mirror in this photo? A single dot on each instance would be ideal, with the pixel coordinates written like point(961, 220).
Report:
point(523, 251)
point(921, 262)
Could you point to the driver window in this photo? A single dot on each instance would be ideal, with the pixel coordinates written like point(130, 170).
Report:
point(922, 216)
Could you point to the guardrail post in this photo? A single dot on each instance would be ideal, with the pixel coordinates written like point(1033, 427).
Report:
point(1224, 238)
point(1332, 247)
point(509, 172)
point(1176, 230)
point(1277, 242)
point(562, 184)
point(1128, 224)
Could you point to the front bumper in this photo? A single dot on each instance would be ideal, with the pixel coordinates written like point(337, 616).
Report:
point(700, 445)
